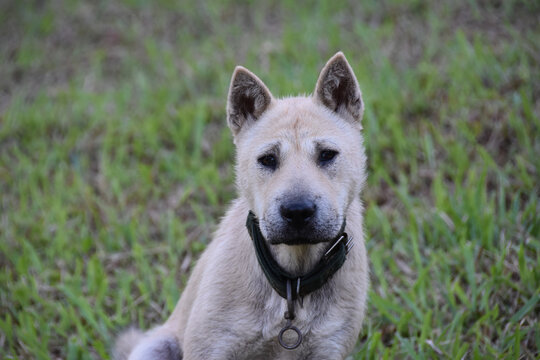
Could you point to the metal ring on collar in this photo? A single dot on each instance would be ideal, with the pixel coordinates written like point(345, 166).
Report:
point(282, 332)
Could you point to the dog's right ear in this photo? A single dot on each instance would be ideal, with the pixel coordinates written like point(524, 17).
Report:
point(248, 99)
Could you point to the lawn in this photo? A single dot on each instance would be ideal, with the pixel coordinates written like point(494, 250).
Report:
point(116, 163)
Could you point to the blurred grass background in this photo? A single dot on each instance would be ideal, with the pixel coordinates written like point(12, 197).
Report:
point(116, 163)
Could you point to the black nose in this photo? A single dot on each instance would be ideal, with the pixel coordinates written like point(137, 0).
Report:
point(298, 213)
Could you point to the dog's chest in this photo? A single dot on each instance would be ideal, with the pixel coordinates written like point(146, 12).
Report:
point(309, 318)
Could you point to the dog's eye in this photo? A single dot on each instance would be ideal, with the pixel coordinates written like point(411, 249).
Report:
point(326, 156)
point(269, 161)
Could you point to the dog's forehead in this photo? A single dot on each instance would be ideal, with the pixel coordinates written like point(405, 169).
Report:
point(296, 121)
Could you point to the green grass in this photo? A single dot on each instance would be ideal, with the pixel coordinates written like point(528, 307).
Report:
point(116, 164)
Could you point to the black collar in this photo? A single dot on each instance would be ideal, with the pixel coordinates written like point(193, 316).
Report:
point(329, 264)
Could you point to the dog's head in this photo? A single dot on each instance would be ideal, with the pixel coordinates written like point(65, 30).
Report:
point(300, 160)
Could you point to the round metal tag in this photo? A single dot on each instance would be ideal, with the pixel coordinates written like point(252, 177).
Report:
point(282, 341)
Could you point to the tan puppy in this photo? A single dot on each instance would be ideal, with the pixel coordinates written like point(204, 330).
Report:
point(300, 170)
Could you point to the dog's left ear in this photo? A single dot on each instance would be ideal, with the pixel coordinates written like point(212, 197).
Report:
point(338, 90)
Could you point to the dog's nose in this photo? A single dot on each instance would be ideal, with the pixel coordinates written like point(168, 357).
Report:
point(298, 213)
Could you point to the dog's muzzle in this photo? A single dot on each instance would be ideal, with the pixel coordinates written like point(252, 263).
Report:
point(299, 221)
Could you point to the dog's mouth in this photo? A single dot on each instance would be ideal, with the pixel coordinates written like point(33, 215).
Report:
point(298, 241)
point(308, 236)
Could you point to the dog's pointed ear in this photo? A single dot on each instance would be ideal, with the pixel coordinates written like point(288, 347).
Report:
point(248, 99)
point(338, 90)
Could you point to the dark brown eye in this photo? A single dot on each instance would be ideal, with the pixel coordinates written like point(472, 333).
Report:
point(268, 161)
point(326, 156)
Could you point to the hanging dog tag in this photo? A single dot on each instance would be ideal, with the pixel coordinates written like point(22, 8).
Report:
point(290, 327)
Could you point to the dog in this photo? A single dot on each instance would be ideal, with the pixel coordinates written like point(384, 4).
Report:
point(280, 279)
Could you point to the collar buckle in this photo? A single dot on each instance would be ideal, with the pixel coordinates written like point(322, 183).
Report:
point(348, 245)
